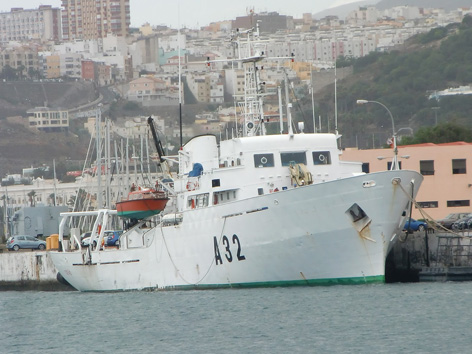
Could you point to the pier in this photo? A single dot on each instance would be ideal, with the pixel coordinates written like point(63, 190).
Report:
point(431, 256)
point(28, 270)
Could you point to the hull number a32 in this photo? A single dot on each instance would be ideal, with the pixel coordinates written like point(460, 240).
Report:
point(229, 249)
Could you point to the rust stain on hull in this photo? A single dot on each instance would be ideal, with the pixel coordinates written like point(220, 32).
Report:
point(365, 233)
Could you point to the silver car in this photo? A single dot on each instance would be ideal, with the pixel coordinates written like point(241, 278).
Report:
point(14, 243)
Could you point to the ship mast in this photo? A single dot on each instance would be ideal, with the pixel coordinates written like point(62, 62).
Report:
point(251, 107)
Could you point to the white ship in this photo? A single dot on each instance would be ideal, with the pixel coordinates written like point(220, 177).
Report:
point(253, 210)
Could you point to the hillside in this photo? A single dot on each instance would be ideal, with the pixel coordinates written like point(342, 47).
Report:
point(402, 80)
point(16, 97)
point(448, 5)
point(21, 147)
point(343, 10)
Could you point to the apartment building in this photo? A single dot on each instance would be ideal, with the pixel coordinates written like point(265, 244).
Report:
point(52, 70)
point(269, 21)
point(147, 89)
point(92, 19)
point(97, 72)
point(23, 57)
point(217, 94)
point(42, 24)
point(447, 171)
point(234, 83)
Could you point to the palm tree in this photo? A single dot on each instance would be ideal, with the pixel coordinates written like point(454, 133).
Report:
point(32, 199)
point(19, 71)
point(52, 196)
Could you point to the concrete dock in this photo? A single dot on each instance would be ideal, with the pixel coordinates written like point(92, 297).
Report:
point(28, 270)
point(431, 256)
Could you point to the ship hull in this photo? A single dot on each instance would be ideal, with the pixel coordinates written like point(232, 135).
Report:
point(304, 236)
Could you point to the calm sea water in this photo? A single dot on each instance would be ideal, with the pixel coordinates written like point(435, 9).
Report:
point(386, 318)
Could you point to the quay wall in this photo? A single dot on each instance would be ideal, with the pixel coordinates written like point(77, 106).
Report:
point(28, 270)
point(422, 251)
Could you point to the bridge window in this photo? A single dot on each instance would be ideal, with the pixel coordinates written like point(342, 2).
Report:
point(296, 157)
point(263, 160)
point(321, 158)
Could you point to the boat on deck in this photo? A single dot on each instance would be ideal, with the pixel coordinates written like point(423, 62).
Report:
point(142, 203)
point(252, 210)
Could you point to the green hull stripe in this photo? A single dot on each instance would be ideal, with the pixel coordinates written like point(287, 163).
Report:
point(308, 282)
point(272, 284)
point(138, 214)
point(269, 284)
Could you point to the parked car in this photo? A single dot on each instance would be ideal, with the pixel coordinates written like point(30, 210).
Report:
point(415, 225)
point(85, 238)
point(14, 243)
point(451, 219)
point(463, 224)
point(86, 242)
point(112, 237)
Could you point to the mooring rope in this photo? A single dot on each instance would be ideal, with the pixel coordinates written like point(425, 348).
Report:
point(429, 220)
point(211, 263)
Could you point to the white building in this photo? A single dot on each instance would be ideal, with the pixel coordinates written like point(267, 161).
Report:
point(42, 24)
point(173, 42)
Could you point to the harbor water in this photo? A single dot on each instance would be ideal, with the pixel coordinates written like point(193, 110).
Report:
point(383, 318)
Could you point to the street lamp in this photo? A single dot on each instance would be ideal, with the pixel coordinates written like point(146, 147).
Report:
point(395, 150)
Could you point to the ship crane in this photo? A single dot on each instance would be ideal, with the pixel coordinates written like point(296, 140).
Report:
point(160, 151)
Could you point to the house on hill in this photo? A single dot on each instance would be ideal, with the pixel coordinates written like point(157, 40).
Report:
point(148, 88)
point(48, 119)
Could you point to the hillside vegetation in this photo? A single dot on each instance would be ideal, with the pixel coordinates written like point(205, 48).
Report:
point(16, 97)
point(22, 147)
point(403, 80)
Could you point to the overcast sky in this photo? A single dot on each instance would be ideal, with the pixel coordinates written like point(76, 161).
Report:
point(197, 13)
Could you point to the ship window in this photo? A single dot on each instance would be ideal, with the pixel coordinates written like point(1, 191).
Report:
point(215, 182)
point(321, 158)
point(198, 200)
point(296, 157)
point(224, 196)
point(365, 167)
point(263, 160)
